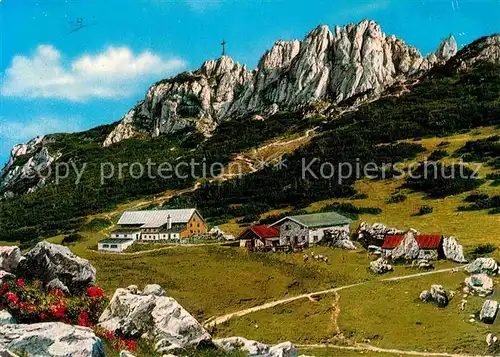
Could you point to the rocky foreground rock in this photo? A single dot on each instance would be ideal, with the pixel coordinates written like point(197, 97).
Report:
point(51, 339)
point(437, 295)
point(57, 265)
point(151, 314)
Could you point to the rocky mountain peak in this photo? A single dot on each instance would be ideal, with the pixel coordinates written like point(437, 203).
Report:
point(332, 66)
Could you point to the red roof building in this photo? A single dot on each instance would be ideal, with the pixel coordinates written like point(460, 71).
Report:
point(392, 241)
point(259, 236)
point(427, 241)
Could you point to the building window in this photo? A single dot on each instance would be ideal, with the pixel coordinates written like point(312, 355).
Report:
point(287, 227)
point(315, 238)
point(105, 245)
point(114, 246)
point(125, 235)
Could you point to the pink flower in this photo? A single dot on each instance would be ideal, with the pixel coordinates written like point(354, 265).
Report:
point(43, 316)
point(20, 282)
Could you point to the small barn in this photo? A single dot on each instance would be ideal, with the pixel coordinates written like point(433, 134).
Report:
point(259, 237)
point(117, 245)
point(391, 242)
point(431, 246)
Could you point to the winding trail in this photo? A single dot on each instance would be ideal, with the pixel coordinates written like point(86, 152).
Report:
point(366, 347)
point(221, 319)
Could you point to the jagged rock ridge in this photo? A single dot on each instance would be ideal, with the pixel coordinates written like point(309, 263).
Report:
point(326, 65)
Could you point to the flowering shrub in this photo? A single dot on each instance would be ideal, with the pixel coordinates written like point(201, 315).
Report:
point(28, 303)
point(117, 342)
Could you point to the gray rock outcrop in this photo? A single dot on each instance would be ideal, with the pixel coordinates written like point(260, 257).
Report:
point(376, 232)
point(39, 159)
point(9, 258)
point(486, 266)
point(354, 60)
point(488, 311)
point(481, 284)
point(339, 239)
point(380, 266)
point(453, 250)
point(437, 295)
point(47, 261)
point(255, 348)
point(159, 318)
point(51, 339)
point(408, 249)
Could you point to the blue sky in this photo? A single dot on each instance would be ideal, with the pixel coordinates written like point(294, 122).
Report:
point(52, 80)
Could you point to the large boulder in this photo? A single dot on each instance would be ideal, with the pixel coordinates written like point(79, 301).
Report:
point(339, 239)
point(380, 266)
point(255, 348)
point(488, 311)
point(375, 232)
point(480, 284)
point(453, 250)
point(51, 339)
point(10, 258)
point(436, 295)
point(483, 266)
point(408, 249)
point(160, 318)
point(47, 261)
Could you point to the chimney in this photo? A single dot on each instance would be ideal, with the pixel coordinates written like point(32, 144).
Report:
point(169, 222)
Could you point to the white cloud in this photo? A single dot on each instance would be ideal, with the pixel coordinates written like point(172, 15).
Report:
point(16, 131)
point(110, 74)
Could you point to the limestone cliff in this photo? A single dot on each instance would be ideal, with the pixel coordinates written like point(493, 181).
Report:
point(326, 65)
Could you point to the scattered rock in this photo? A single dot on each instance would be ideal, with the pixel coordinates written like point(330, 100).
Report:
point(436, 295)
point(255, 348)
point(159, 318)
point(10, 258)
point(488, 311)
point(153, 289)
point(6, 318)
point(453, 250)
point(51, 339)
point(133, 289)
point(380, 266)
point(231, 344)
point(285, 349)
point(47, 261)
point(480, 284)
point(491, 340)
point(483, 266)
point(126, 354)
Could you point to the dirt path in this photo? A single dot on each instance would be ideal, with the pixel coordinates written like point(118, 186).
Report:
point(221, 319)
point(173, 246)
point(366, 347)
